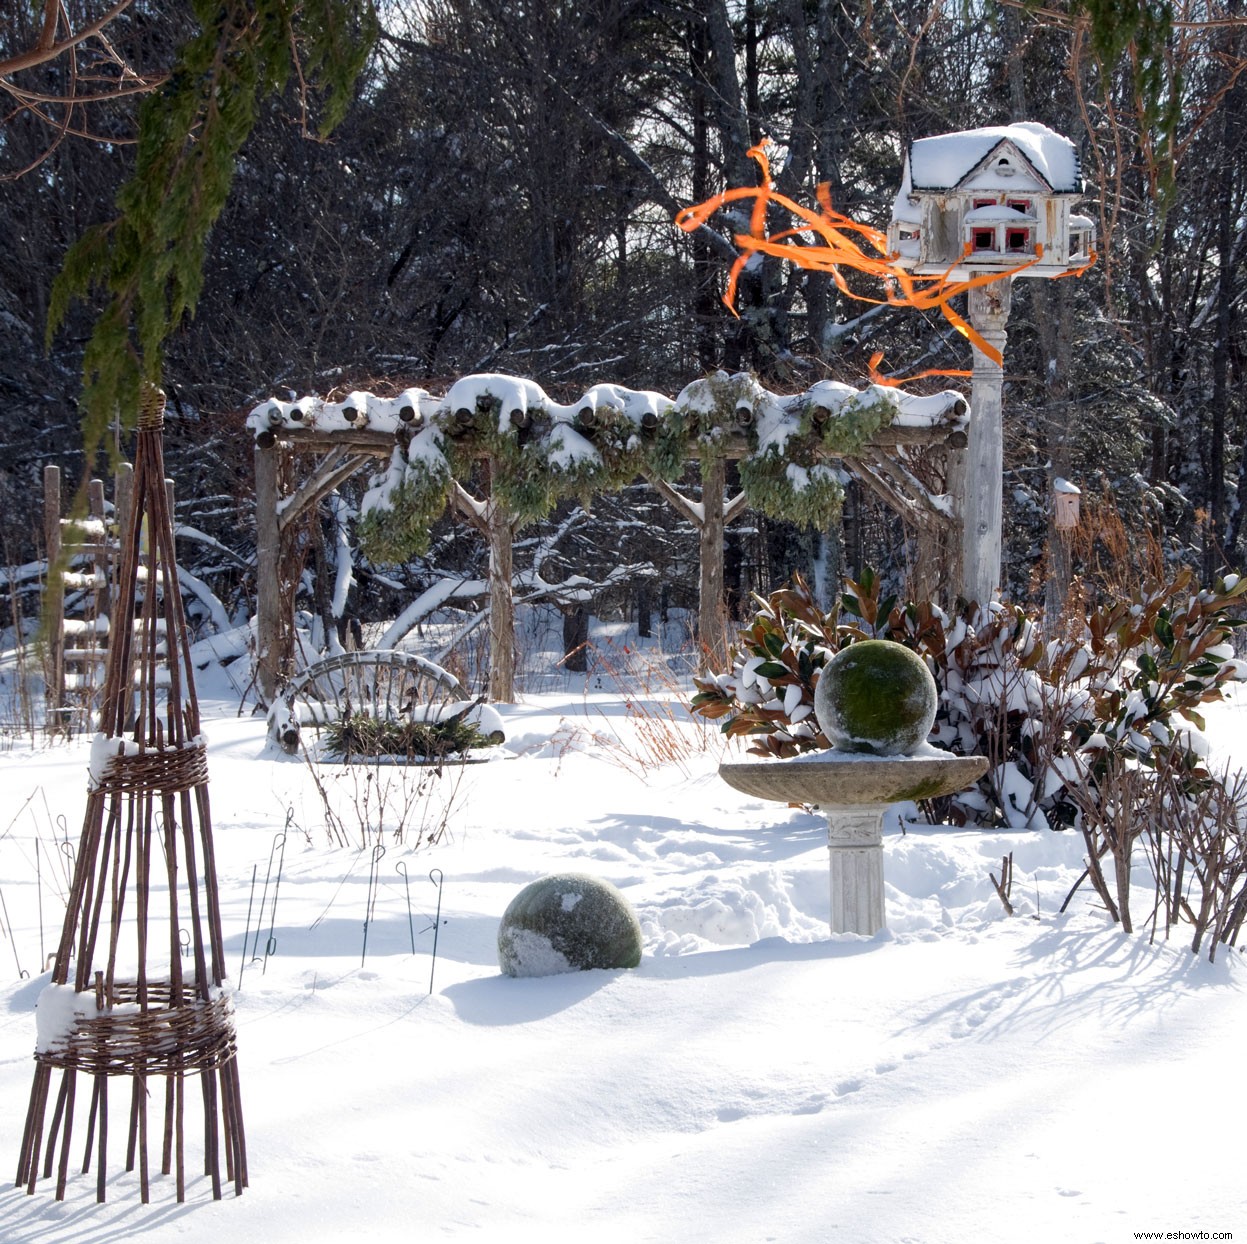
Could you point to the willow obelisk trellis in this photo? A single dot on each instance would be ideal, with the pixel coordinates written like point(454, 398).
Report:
point(123, 1003)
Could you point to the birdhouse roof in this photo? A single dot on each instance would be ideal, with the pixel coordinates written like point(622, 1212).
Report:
point(945, 162)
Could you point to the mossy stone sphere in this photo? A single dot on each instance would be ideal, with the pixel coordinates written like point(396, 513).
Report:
point(568, 922)
point(876, 696)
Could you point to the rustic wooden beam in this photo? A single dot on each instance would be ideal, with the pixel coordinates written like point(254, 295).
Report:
point(467, 507)
point(905, 487)
point(887, 491)
point(351, 440)
point(270, 631)
point(333, 470)
point(381, 444)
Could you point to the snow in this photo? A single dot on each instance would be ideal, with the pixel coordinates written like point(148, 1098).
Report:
point(962, 1076)
point(942, 161)
point(996, 214)
point(703, 396)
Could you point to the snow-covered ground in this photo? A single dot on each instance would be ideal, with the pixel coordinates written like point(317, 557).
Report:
point(964, 1076)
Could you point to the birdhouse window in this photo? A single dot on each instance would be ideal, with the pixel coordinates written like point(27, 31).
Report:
point(985, 202)
point(1078, 243)
point(1022, 205)
point(983, 239)
point(1017, 240)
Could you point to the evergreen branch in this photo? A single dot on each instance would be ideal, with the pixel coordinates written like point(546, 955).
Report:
point(149, 260)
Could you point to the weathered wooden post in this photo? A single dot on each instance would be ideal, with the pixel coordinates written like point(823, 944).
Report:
point(269, 623)
point(500, 529)
point(982, 491)
point(53, 600)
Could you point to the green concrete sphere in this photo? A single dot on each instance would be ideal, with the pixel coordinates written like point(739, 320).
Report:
point(568, 922)
point(876, 696)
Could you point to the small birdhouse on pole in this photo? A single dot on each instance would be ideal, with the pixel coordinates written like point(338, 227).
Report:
point(981, 207)
point(1065, 504)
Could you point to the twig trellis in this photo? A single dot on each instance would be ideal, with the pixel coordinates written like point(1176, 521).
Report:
point(121, 1002)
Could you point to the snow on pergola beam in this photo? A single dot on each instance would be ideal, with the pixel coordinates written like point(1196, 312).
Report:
point(748, 420)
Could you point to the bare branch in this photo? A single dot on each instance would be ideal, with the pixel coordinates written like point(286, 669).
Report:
point(44, 52)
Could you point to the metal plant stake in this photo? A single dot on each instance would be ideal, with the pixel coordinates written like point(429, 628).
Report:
point(123, 1006)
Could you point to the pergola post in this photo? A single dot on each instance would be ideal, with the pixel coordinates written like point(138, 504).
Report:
point(500, 530)
point(270, 658)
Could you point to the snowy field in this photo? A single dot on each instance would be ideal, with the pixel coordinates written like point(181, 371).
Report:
point(965, 1076)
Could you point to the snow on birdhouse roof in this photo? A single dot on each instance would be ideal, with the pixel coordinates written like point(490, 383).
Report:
point(944, 161)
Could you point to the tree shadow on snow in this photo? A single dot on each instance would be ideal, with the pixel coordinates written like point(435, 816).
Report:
point(659, 837)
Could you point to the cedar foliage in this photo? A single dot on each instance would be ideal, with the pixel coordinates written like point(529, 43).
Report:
point(148, 261)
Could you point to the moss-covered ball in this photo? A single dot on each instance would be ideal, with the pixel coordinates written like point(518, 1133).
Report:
point(566, 923)
point(876, 696)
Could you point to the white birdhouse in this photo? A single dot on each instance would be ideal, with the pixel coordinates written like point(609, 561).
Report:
point(997, 197)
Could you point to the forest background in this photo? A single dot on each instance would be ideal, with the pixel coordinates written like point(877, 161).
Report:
point(499, 195)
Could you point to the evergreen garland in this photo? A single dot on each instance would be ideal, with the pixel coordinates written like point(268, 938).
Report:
point(399, 529)
point(541, 453)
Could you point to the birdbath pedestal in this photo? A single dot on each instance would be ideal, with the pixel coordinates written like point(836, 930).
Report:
point(853, 791)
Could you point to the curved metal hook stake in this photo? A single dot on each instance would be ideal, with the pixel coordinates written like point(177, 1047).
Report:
point(247, 931)
point(377, 852)
point(279, 840)
point(39, 891)
point(401, 869)
point(436, 876)
point(270, 947)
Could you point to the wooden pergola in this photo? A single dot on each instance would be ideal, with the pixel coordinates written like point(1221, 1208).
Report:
point(915, 465)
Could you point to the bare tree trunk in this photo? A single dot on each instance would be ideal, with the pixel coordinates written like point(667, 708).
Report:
point(1215, 549)
point(1054, 324)
point(575, 638)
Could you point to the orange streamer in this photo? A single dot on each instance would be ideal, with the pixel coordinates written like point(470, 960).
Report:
point(838, 249)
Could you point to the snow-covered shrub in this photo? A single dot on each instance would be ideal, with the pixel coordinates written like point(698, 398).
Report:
point(1049, 714)
point(568, 922)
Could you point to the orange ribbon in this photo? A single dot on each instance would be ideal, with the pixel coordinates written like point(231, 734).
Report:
point(838, 249)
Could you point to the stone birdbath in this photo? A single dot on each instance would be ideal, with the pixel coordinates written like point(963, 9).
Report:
point(875, 701)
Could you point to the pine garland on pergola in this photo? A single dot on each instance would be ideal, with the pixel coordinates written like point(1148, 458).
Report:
point(121, 1002)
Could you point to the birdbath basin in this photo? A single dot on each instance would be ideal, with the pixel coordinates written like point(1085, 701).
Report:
point(880, 758)
point(837, 779)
